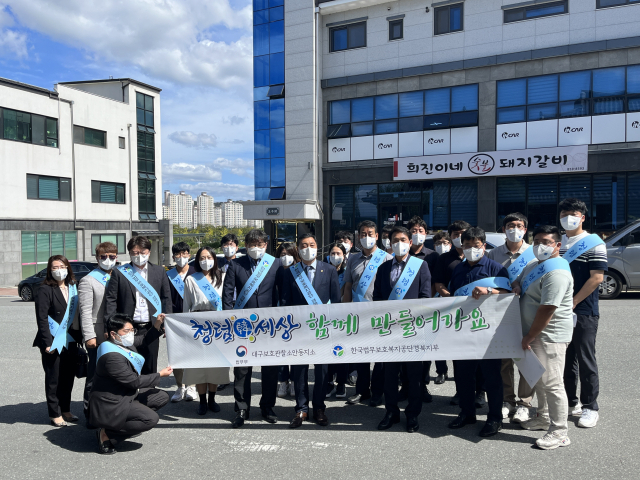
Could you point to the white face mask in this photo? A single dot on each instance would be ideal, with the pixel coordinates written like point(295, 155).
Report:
point(107, 264)
point(336, 259)
point(256, 253)
point(473, 254)
point(400, 248)
point(59, 274)
point(442, 248)
point(515, 235)
point(457, 242)
point(206, 264)
point(229, 251)
point(346, 246)
point(140, 260)
point(570, 222)
point(308, 253)
point(367, 242)
point(125, 340)
point(287, 260)
point(386, 243)
point(542, 252)
point(181, 261)
point(418, 238)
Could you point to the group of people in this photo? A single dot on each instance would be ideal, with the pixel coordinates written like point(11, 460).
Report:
point(118, 311)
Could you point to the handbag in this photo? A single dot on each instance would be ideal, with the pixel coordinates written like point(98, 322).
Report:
point(82, 362)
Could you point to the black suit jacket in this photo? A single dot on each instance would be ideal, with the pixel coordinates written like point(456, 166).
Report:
point(115, 386)
point(420, 287)
point(121, 294)
point(50, 303)
point(176, 299)
point(325, 283)
point(238, 272)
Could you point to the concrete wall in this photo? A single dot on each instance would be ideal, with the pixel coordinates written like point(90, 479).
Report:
point(10, 265)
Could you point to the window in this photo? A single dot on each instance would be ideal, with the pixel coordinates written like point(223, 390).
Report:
point(448, 19)
point(89, 136)
point(146, 155)
point(146, 199)
point(106, 192)
point(40, 187)
point(536, 11)
point(37, 247)
point(118, 239)
point(146, 159)
point(395, 29)
point(121, 143)
point(144, 110)
point(29, 128)
point(349, 36)
point(614, 3)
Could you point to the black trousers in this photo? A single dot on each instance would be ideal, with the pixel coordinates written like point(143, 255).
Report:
point(142, 415)
point(412, 382)
point(479, 379)
point(340, 371)
point(283, 373)
point(441, 369)
point(466, 383)
point(59, 374)
point(91, 371)
point(368, 383)
point(300, 376)
point(150, 351)
point(242, 387)
point(581, 364)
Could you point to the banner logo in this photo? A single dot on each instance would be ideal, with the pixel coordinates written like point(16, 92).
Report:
point(338, 351)
point(481, 164)
point(241, 351)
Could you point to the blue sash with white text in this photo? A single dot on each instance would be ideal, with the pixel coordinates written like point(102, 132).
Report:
point(581, 246)
point(176, 280)
point(142, 285)
point(516, 267)
point(261, 270)
point(101, 276)
point(134, 358)
point(493, 282)
point(208, 290)
point(303, 282)
point(61, 337)
point(547, 266)
point(368, 274)
point(406, 279)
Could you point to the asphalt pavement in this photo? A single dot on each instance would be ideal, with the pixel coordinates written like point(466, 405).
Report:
point(185, 445)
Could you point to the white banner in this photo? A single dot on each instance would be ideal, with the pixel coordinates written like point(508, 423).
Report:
point(490, 164)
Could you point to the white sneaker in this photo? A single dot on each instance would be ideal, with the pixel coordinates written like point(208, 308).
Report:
point(589, 418)
point(191, 394)
point(292, 392)
point(179, 395)
point(332, 391)
point(554, 440)
point(507, 409)
point(283, 387)
point(523, 414)
point(576, 411)
point(536, 423)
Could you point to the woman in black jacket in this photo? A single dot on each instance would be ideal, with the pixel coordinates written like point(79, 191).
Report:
point(58, 331)
point(123, 403)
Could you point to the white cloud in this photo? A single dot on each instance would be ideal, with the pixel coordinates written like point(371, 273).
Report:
point(197, 140)
point(234, 120)
point(221, 191)
point(12, 43)
point(238, 166)
point(173, 172)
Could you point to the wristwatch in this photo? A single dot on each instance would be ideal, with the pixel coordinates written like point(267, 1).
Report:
point(490, 290)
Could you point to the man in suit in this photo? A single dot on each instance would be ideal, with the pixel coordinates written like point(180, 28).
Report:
point(265, 295)
point(389, 273)
point(324, 280)
point(124, 297)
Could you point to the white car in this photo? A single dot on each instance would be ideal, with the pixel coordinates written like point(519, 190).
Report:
point(623, 261)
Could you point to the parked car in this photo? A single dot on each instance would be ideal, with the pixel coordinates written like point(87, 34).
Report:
point(623, 261)
point(28, 287)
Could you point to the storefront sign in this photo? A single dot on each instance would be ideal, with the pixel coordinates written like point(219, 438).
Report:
point(491, 164)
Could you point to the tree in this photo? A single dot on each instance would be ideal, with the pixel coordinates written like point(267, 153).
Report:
point(211, 238)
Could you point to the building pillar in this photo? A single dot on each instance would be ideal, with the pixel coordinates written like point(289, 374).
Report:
point(487, 203)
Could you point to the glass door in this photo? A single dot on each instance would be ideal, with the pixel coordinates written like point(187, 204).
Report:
point(398, 215)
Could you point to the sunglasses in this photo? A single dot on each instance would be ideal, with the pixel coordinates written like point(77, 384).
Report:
point(110, 257)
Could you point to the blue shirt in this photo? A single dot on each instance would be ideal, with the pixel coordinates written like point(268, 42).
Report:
point(464, 274)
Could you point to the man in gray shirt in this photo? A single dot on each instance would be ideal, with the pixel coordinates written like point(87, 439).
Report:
point(545, 287)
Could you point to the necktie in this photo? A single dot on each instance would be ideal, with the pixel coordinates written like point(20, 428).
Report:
point(310, 273)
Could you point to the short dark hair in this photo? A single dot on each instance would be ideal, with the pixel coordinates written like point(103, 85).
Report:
point(180, 247)
point(305, 236)
point(400, 230)
point(514, 217)
point(573, 205)
point(474, 233)
point(458, 225)
point(229, 237)
point(49, 280)
point(215, 271)
point(116, 322)
point(367, 224)
point(548, 230)
point(106, 247)
point(441, 236)
point(343, 235)
point(290, 249)
point(387, 229)
point(417, 221)
point(139, 241)
point(256, 236)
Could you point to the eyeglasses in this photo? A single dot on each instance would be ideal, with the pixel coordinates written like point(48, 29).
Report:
point(110, 257)
point(126, 332)
point(548, 243)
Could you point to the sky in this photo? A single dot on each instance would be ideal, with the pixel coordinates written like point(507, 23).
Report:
point(198, 52)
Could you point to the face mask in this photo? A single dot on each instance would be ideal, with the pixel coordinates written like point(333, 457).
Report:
point(60, 274)
point(386, 243)
point(367, 242)
point(473, 254)
point(229, 251)
point(206, 264)
point(336, 259)
point(140, 260)
point(457, 242)
point(181, 261)
point(125, 340)
point(287, 260)
point(107, 264)
point(256, 253)
point(418, 238)
point(346, 246)
point(542, 252)
point(570, 222)
point(442, 248)
point(400, 248)
point(515, 235)
point(308, 254)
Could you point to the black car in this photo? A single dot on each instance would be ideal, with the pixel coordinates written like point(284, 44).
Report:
point(27, 288)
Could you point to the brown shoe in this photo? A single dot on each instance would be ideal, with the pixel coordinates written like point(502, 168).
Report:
point(320, 418)
point(298, 419)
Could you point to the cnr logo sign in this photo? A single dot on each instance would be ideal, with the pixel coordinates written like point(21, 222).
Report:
point(431, 141)
point(382, 146)
point(510, 135)
point(338, 149)
point(573, 130)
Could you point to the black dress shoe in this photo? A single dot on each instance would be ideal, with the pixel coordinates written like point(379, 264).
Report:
point(104, 448)
point(481, 400)
point(241, 416)
point(490, 428)
point(202, 408)
point(319, 417)
point(358, 398)
point(388, 421)
point(461, 420)
point(441, 378)
point(376, 401)
point(269, 415)
point(412, 424)
point(426, 395)
point(455, 400)
point(298, 419)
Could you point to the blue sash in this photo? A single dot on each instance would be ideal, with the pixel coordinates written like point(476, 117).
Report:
point(303, 282)
point(406, 279)
point(136, 359)
point(254, 281)
point(208, 290)
point(53, 328)
point(61, 337)
point(368, 274)
point(176, 280)
point(582, 246)
point(493, 282)
point(101, 276)
point(516, 267)
point(547, 266)
point(142, 285)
